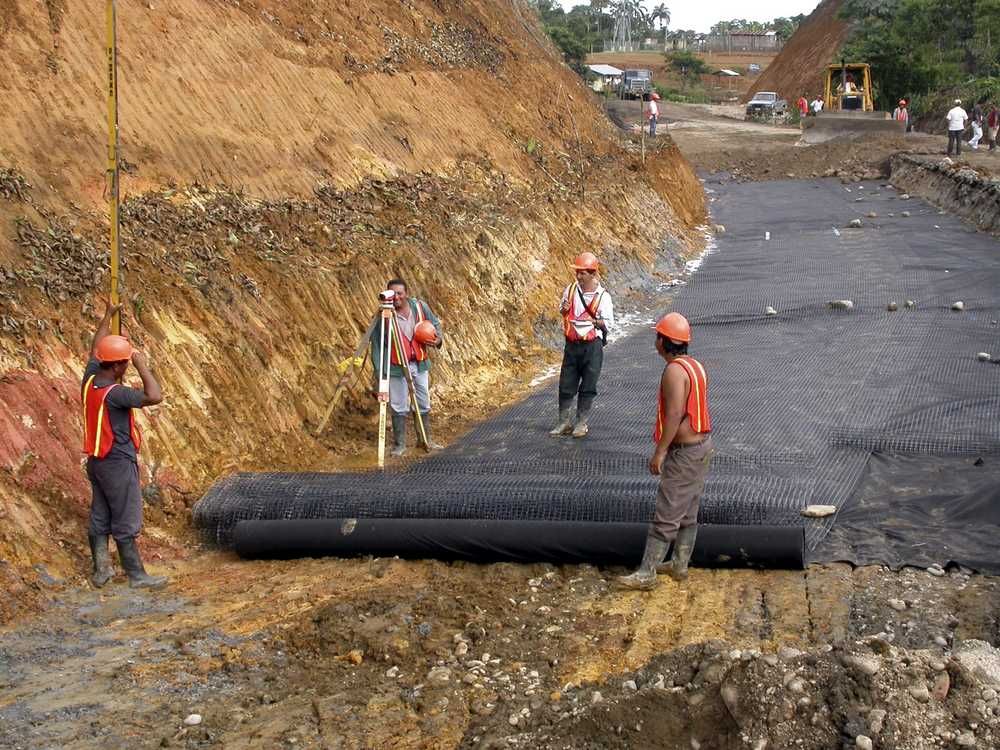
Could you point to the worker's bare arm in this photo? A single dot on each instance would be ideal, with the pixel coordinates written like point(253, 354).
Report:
point(104, 327)
point(152, 394)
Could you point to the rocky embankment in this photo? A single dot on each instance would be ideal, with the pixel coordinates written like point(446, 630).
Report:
point(957, 188)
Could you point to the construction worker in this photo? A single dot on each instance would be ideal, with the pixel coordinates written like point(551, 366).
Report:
point(111, 441)
point(588, 313)
point(956, 117)
point(901, 114)
point(803, 105)
point(683, 436)
point(654, 112)
point(411, 314)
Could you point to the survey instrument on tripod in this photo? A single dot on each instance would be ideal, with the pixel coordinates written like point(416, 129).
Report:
point(389, 340)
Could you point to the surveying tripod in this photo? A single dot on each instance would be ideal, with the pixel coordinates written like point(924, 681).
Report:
point(390, 340)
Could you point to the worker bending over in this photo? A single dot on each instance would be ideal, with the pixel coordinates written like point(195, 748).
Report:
point(111, 441)
point(681, 457)
point(419, 328)
point(588, 313)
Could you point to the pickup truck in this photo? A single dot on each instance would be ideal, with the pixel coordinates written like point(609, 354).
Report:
point(635, 84)
point(765, 105)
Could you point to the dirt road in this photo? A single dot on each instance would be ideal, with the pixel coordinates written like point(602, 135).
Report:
point(715, 138)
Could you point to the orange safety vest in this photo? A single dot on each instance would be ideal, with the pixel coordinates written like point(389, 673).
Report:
point(697, 402)
point(570, 315)
point(413, 350)
point(98, 437)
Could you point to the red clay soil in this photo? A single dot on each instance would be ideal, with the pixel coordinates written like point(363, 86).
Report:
point(799, 67)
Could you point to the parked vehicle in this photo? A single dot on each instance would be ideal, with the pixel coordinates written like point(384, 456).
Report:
point(753, 68)
point(635, 84)
point(766, 105)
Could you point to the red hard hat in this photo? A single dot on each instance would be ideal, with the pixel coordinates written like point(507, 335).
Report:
point(903, 102)
point(654, 96)
point(585, 262)
point(675, 327)
point(113, 348)
point(425, 332)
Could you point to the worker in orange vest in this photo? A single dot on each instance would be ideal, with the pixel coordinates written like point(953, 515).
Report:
point(588, 313)
point(683, 436)
point(419, 329)
point(111, 441)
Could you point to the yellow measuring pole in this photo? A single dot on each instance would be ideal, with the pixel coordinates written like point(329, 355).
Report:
point(112, 176)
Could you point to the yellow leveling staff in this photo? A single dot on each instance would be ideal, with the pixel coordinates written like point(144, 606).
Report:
point(116, 322)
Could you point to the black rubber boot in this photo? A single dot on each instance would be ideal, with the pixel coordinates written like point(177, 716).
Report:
point(102, 560)
point(425, 417)
point(398, 434)
point(128, 552)
point(677, 566)
point(565, 426)
point(645, 577)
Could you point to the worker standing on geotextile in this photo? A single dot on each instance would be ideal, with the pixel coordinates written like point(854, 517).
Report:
point(683, 437)
point(587, 312)
point(419, 328)
point(111, 441)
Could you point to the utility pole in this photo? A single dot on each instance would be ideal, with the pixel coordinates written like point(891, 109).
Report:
point(113, 172)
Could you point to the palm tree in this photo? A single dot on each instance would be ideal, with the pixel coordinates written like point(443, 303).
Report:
point(660, 13)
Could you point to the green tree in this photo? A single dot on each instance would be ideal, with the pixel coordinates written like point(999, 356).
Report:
point(660, 13)
point(573, 49)
point(785, 27)
point(688, 64)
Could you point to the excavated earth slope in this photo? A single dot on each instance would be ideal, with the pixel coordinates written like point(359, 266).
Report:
point(801, 65)
point(281, 160)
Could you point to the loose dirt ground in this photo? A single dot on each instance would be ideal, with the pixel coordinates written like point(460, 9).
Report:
point(716, 139)
point(381, 653)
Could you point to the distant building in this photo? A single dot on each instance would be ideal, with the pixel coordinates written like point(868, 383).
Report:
point(604, 77)
point(743, 41)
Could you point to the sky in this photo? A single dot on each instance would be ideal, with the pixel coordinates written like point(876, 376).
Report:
point(700, 16)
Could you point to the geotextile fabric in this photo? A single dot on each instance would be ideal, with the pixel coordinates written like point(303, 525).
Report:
point(804, 403)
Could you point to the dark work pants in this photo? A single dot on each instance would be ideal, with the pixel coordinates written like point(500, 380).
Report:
point(955, 136)
point(581, 368)
point(116, 508)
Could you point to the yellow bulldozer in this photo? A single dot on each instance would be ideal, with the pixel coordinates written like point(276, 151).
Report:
point(849, 107)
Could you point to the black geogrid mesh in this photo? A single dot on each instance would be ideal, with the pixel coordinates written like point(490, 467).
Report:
point(799, 401)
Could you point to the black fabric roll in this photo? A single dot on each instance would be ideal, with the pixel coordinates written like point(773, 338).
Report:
point(513, 541)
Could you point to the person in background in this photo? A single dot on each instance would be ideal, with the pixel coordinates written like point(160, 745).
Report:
point(803, 106)
point(901, 114)
point(653, 111)
point(977, 126)
point(956, 117)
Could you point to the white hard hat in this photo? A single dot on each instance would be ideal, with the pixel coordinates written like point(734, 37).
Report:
point(958, 101)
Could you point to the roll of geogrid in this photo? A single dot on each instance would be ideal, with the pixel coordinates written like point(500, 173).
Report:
point(560, 542)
